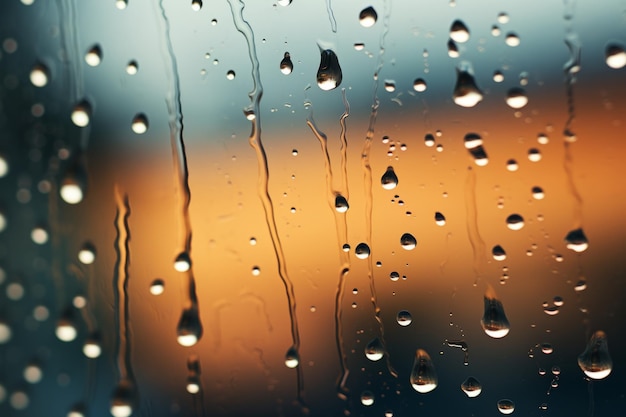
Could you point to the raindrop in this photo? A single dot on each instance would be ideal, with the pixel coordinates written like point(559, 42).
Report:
point(440, 219)
point(429, 140)
point(498, 77)
point(292, 359)
point(615, 56)
point(358, 46)
point(551, 311)
point(523, 78)
point(39, 75)
point(182, 263)
point(595, 361)
point(466, 92)
point(367, 398)
point(556, 371)
point(33, 373)
point(547, 348)
point(473, 143)
point(512, 39)
point(471, 387)
point(419, 85)
point(362, 250)
point(157, 287)
point(4, 170)
point(515, 222)
point(93, 57)
point(368, 17)
point(404, 318)
point(389, 180)
point(329, 72)
point(139, 124)
point(581, 285)
point(374, 350)
point(92, 348)
point(506, 406)
point(121, 4)
point(408, 241)
point(286, 66)
point(39, 235)
point(256, 271)
point(230, 75)
point(122, 399)
point(503, 18)
point(345, 247)
point(498, 253)
point(193, 385)
point(74, 183)
point(394, 276)
point(87, 253)
point(5, 332)
point(132, 68)
point(494, 321)
point(538, 193)
point(341, 204)
point(511, 165)
point(576, 240)
point(284, 3)
point(65, 329)
point(558, 301)
point(495, 30)
point(19, 400)
point(196, 5)
point(516, 98)
point(459, 32)
point(390, 86)
point(423, 376)
point(453, 50)
point(81, 113)
point(189, 329)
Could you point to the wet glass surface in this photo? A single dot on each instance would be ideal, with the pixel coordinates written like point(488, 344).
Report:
point(312, 208)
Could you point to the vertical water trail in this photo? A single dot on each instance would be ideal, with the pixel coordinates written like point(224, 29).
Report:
point(120, 287)
point(71, 50)
point(341, 227)
point(179, 155)
point(368, 183)
point(471, 210)
point(255, 142)
point(331, 16)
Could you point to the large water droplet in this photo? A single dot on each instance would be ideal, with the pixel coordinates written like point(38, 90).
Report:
point(615, 56)
point(93, 57)
point(515, 222)
point(286, 66)
point(367, 398)
point(466, 92)
point(341, 204)
point(576, 240)
point(474, 144)
point(423, 376)
point(459, 32)
point(139, 124)
point(419, 85)
point(39, 75)
point(374, 350)
point(494, 321)
point(196, 5)
point(471, 387)
point(368, 17)
point(440, 219)
point(123, 399)
point(389, 180)
point(81, 113)
point(329, 74)
point(516, 98)
point(408, 241)
point(362, 250)
point(292, 359)
point(498, 253)
point(189, 329)
point(404, 318)
point(506, 406)
point(595, 361)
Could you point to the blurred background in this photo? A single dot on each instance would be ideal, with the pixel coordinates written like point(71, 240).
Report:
point(468, 139)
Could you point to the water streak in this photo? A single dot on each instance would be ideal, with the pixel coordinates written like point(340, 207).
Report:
point(368, 182)
point(331, 16)
point(71, 50)
point(120, 286)
point(255, 142)
point(471, 210)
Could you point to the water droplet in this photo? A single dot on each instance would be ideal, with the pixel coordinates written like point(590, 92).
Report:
point(19, 400)
point(341, 204)
point(87, 253)
point(538, 193)
point(5, 332)
point(345, 247)
point(374, 350)
point(132, 68)
point(32, 373)
point(515, 222)
point(615, 56)
point(390, 86)
point(466, 92)
point(39, 75)
point(292, 359)
point(394, 276)
point(404, 318)
point(157, 287)
point(81, 113)
point(473, 143)
point(139, 124)
point(429, 140)
point(556, 371)
point(459, 32)
point(506, 406)
point(498, 77)
point(495, 30)
point(440, 219)
point(419, 85)
point(92, 348)
point(65, 329)
point(498, 253)
point(329, 74)
point(595, 361)
point(39, 235)
point(581, 285)
point(453, 50)
point(423, 376)
point(511, 165)
point(284, 3)
point(494, 321)
point(547, 348)
point(471, 387)
point(182, 263)
point(196, 5)
point(576, 240)
point(230, 75)
point(512, 39)
point(367, 398)
point(359, 46)
point(93, 57)
point(286, 66)
point(193, 384)
point(503, 18)
point(408, 241)
point(189, 328)
point(368, 17)
point(516, 98)
point(123, 399)
point(389, 180)
point(362, 250)
point(256, 271)
point(121, 4)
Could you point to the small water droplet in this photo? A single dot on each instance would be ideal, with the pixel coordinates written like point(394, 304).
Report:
point(515, 222)
point(157, 287)
point(576, 240)
point(5, 332)
point(368, 17)
point(196, 5)
point(474, 144)
point(121, 4)
point(374, 350)
point(498, 76)
point(453, 50)
point(359, 46)
point(230, 75)
point(429, 140)
point(404, 318)
point(408, 241)
point(341, 204)
point(362, 250)
point(495, 30)
point(394, 276)
point(390, 86)
point(506, 406)
point(581, 285)
point(459, 32)
point(538, 193)
point(516, 98)
point(471, 387)
point(556, 371)
point(132, 68)
point(292, 359)
point(139, 124)
point(92, 347)
point(512, 39)
point(423, 376)
point(81, 113)
point(440, 219)
point(286, 66)
point(615, 56)
point(389, 180)
point(189, 328)
point(39, 75)
point(498, 253)
point(419, 85)
point(596, 361)
point(329, 73)
point(65, 328)
point(182, 263)
point(503, 18)
point(547, 348)
point(466, 92)
point(512, 165)
point(93, 57)
point(367, 398)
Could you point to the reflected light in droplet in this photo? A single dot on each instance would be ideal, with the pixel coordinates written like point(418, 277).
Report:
point(192, 387)
point(65, 331)
point(367, 398)
point(92, 349)
point(39, 75)
point(33, 374)
point(615, 56)
point(423, 376)
point(515, 222)
point(121, 4)
point(182, 262)
point(516, 98)
point(81, 114)
point(5, 332)
point(368, 17)
point(132, 68)
point(292, 359)
point(187, 340)
point(93, 57)
point(506, 406)
point(471, 387)
point(362, 251)
point(71, 192)
point(459, 32)
point(39, 235)
point(157, 287)
point(87, 255)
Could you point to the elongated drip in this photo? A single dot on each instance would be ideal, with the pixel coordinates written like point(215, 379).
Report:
point(255, 142)
point(471, 210)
